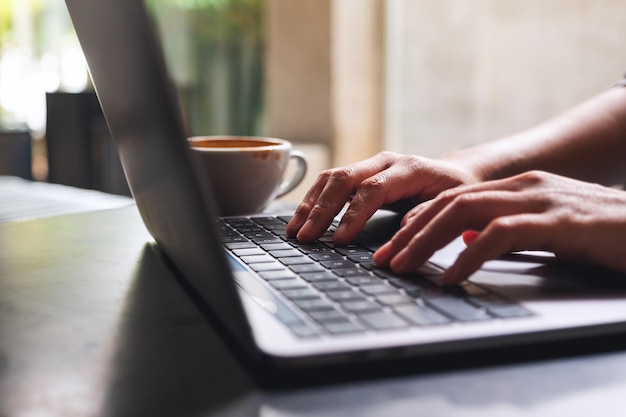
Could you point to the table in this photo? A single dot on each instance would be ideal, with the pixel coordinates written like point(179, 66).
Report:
point(92, 323)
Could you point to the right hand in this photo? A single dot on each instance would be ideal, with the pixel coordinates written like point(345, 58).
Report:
point(385, 178)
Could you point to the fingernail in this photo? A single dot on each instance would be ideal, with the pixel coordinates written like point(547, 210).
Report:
point(469, 236)
point(341, 231)
point(305, 230)
point(398, 262)
point(382, 254)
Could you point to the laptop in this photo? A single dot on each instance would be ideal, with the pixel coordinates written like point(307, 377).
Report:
point(296, 307)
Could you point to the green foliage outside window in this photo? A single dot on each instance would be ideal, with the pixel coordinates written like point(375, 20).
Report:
point(220, 77)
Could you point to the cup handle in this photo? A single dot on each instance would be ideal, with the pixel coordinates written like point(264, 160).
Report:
point(297, 177)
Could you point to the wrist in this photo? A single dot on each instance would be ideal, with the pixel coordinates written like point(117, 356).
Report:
point(473, 162)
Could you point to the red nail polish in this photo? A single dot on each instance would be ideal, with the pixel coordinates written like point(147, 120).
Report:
point(469, 236)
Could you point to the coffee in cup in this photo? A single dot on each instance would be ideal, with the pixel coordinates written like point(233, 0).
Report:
point(246, 172)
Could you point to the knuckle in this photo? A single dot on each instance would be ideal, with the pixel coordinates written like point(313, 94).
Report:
point(304, 207)
point(444, 195)
point(324, 175)
point(534, 177)
point(502, 226)
point(321, 206)
point(447, 195)
point(389, 155)
point(464, 201)
point(340, 174)
point(374, 185)
point(411, 160)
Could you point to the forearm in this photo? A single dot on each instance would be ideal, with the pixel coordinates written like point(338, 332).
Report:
point(587, 143)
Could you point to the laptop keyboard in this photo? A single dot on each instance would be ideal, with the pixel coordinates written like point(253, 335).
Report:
point(338, 290)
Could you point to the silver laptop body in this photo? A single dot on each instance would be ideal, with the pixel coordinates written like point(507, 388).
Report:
point(139, 102)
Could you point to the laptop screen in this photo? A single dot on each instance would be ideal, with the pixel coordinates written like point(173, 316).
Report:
point(129, 74)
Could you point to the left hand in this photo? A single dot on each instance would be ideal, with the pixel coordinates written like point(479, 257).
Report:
point(575, 220)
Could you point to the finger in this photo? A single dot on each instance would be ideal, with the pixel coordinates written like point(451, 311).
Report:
point(421, 215)
point(334, 188)
point(392, 184)
point(302, 211)
point(502, 236)
point(467, 211)
point(412, 224)
point(417, 218)
point(413, 212)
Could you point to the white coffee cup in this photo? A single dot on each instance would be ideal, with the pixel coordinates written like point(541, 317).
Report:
point(246, 172)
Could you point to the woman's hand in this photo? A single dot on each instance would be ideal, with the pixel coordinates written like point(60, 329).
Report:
point(577, 221)
point(368, 185)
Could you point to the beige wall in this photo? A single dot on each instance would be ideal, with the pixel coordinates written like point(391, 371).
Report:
point(324, 74)
point(470, 71)
point(325, 80)
point(429, 76)
point(298, 60)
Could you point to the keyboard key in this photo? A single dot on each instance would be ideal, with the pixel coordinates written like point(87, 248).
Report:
point(420, 314)
point(338, 263)
point(331, 286)
point(267, 220)
point(276, 246)
point(350, 250)
point(285, 253)
point(361, 306)
point(256, 259)
point(233, 239)
point(266, 240)
point(302, 268)
point(318, 248)
point(498, 305)
point(314, 304)
point(300, 293)
point(239, 245)
point(325, 256)
point(414, 287)
point(370, 266)
point(254, 236)
point(249, 251)
point(281, 234)
point(276, 228)
point(361, 257)
point(245, 229)
point(383, 320)
point(297, 260)
point(237, 220)
point(342, 327)
point(319, 276)
point(507, 311)
point(343, 296)
point(379, 289)
point(394, 299)
point(277, 274)
point(350, 272)
point(329, 316)
point(287, 284)
point(458, 309)
point(363, 280)
point(267, 266)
